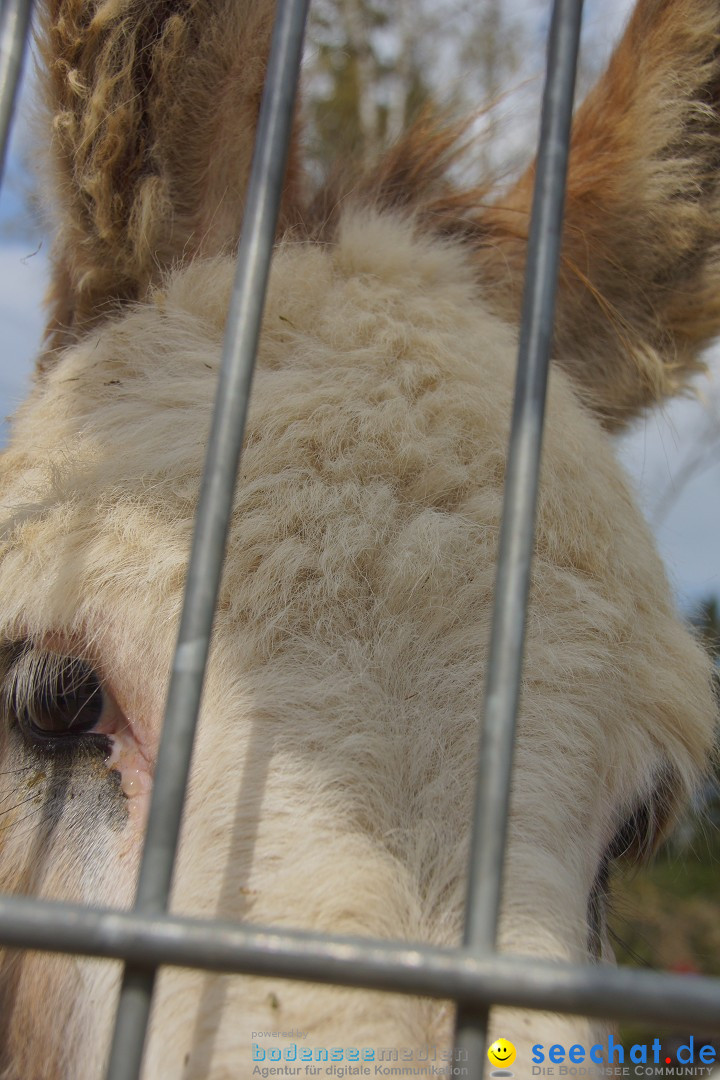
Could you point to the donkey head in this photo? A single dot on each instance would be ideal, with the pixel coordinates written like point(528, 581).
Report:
point(333, 773)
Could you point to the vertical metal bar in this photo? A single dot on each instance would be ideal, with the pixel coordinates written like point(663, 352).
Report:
point(15, 18)
point(517, 533)
point(213, 516)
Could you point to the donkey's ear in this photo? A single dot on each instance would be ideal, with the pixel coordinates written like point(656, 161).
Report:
point(639, 292)
point(153, 106)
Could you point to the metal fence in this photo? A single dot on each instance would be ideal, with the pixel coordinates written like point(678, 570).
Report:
point(475, 975)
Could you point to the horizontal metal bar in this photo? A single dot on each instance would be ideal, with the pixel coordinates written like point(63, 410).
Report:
point(145, 941)
point(265, 187)
point(14, 25)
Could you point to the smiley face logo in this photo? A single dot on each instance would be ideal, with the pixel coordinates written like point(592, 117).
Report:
point(501, 1053)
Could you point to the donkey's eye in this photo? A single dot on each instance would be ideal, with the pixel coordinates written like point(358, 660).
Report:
point(70, 702)
point(55, 700)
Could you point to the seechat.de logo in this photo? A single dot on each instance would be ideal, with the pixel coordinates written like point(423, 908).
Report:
point(614, 1053)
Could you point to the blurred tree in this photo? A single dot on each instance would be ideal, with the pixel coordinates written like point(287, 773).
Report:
point(371, 64)
point(355, 91)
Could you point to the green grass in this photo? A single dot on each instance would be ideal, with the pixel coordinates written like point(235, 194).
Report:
point(666, 916)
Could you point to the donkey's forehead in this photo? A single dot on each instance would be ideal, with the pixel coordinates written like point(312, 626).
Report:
point(100, 480)
point(374, 368)
point(133, 399)
point(374, 374)
point(374, 461)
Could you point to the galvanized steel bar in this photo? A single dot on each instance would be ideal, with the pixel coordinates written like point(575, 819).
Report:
point(614, 993)
point(213, 514)
point(521, 486)
point(15, 18)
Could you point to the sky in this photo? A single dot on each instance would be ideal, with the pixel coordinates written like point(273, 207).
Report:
point(672, 456)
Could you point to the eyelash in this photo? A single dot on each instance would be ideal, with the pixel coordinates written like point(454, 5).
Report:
point(56, 701)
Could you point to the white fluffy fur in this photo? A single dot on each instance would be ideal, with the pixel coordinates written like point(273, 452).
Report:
point(333, 775)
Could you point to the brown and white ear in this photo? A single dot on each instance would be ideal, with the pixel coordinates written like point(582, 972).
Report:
point(153, 107)
point(639, 294)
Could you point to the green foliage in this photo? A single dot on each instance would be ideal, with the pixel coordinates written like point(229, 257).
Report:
point(666, 915)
